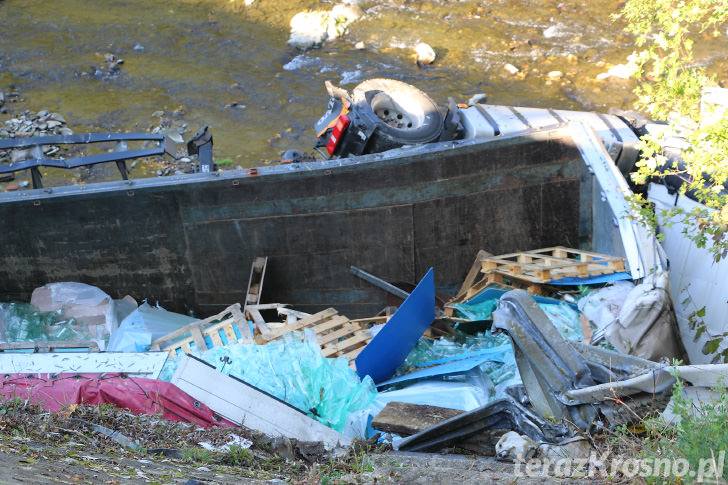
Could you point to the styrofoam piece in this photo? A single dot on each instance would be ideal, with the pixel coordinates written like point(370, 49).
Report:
point(136, 364)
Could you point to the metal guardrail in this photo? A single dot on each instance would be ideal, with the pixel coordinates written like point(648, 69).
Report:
point(200, 144)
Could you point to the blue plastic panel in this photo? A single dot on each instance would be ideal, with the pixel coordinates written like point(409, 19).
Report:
point(390, 347)
point(455, 365)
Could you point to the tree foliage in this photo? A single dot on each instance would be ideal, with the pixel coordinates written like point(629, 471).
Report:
point(671, 85)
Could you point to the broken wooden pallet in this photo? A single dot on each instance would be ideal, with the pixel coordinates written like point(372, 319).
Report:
point(498, 280)
point(214, 328)
point(549, 264)
point(255, 282)
point(252, 313)
point(337, 335)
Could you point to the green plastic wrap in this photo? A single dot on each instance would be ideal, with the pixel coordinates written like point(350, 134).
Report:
point(23, 322)
point(561, 314)
point(293, 370)
point(500, 368)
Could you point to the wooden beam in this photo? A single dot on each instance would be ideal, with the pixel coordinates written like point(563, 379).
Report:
point(406, 419)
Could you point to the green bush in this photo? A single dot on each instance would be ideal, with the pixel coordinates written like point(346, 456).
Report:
point(671, 84)
point(699, 436)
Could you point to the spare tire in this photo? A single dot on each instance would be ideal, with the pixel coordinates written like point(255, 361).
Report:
point(404, 114)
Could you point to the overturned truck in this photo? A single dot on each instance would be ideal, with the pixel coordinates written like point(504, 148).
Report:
point(493, 177)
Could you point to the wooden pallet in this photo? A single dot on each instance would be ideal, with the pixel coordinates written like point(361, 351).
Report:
point(500, 280)
point(545, 265)
point(224, 322)
point(337, 335)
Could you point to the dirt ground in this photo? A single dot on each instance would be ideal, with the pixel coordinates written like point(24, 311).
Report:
point(70, 447)
point(42, 465)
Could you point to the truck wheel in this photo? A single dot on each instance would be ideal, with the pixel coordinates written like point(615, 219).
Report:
point(405, 115)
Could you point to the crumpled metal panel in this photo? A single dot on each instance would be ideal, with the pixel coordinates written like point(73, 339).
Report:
point(503, 413)
point(568, 380)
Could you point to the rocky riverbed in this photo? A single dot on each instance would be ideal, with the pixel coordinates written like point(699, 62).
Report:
point(231, 66)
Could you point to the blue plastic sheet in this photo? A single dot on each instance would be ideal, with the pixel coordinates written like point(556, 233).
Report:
point(143, 325)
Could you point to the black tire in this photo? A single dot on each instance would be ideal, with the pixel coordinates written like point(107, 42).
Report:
point(404, 114)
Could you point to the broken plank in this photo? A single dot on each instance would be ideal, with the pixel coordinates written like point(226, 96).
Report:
point(472, 275)
point(258, 320)
point(255, 282)
point(304, 322)
point(241, 323)
point(248, 406)
point(406, 419)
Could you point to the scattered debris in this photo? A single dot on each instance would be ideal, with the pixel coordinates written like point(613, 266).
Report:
point(508, 370)
point(513, 446)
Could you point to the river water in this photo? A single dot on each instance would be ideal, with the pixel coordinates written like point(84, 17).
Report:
point(227, 65)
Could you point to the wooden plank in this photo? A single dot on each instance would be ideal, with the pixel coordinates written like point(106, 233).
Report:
point(351, 355)
point(205, 328)
point(215, 338)
point(380, 319)
point(332, 349)
point(247, 406)
point(503, 280)
point(291, 312)
point(304, 322)
point(472, 275)
point(198, 339)
point(231, 337)
point(259, 321)
point(327, 325)
point(136, 364)
point(337, 334)
point(406, 419)
point(241, 323)
point(265, 306)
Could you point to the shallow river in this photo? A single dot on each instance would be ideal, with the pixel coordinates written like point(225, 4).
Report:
point(227, 65)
